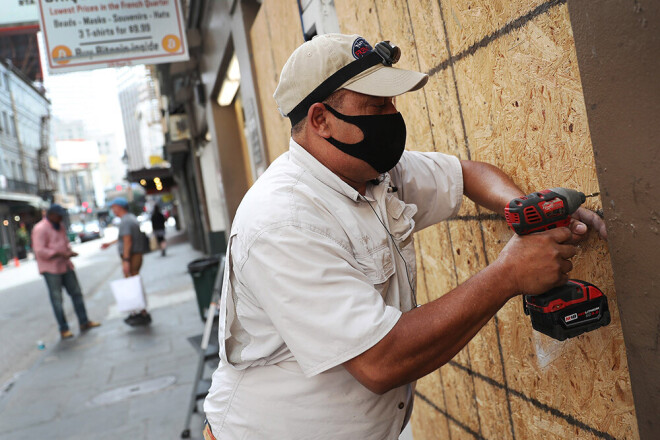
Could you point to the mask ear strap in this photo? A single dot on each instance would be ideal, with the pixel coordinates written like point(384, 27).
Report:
point(345, 118)
point(335, 112)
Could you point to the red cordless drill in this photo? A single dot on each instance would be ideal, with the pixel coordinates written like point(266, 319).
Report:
point(543, 210)
point(577, 306)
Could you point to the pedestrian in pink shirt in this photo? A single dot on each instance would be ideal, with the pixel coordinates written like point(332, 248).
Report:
point(53, 253)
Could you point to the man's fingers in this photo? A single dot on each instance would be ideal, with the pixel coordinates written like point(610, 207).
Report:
point(577, 227)
point(567, 251)
point(591, 219)
point(560, 235)
point(566, 266)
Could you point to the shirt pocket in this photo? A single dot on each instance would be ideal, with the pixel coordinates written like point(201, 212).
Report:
point(400, 218)
point(378, 266)
point(402, 225)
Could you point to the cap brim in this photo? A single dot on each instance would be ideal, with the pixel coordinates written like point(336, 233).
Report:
point(386, 81)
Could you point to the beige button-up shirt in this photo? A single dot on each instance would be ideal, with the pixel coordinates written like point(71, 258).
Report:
point(312, 280)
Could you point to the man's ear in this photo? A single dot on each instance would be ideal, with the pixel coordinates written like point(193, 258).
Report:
point(316, 119)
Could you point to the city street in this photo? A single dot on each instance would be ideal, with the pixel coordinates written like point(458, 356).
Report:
point(26, 316)
point(121, 381)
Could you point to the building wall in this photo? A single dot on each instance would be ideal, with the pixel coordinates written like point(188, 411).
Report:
point(140, 110)
point(112, 167)
point(22, 106)
point(20, 121)
point(619, 68)
point(504, 88)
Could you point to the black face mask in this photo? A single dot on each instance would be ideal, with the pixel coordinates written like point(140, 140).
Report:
point(384, 139)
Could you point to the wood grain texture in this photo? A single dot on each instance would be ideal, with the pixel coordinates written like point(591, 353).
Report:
point(275, 34)
point(469, 21)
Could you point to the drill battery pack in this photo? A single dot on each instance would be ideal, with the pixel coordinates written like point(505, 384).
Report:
point(567, 311)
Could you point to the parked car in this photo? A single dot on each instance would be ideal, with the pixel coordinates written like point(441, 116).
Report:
point(88, 231)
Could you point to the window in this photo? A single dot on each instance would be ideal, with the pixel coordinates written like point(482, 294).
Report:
point(318, 17)
point(5, 124)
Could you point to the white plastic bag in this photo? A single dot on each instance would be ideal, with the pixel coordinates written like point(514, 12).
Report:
point(129, 294)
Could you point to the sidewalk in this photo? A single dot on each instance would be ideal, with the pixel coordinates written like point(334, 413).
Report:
point(116, 381)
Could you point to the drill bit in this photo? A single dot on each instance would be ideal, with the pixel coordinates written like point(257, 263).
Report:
point(592, 194)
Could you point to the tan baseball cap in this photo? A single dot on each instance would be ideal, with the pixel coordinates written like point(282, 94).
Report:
point(331, 62)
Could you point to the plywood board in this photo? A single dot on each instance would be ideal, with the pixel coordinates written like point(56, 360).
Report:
point(440, 92)
point(266, 82)
point(469, 22)
point(362, 20)
point(275, 34)
point(285, 29)
point(504, 88)
point(428, 421)
point(393, 16)
point(523, 109)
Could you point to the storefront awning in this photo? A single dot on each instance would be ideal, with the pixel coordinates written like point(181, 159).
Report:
point(28, 199)
point(154, 180)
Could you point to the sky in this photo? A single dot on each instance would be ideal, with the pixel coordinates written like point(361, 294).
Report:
point(90, 96)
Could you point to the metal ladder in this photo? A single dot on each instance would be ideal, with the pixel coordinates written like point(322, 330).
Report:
point(207, 351)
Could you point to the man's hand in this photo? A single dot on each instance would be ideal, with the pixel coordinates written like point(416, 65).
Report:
point(66, 254)
point(584, 218)
point(538, 262)
point(126, 268)
point(428, 336)
point(105, 245)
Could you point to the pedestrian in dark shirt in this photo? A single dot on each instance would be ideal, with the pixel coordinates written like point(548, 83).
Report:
point(158, 226)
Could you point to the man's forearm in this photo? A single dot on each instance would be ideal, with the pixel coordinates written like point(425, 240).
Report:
point(488, 186)
point(427, 337)
point(40, 246)
point(127, 247)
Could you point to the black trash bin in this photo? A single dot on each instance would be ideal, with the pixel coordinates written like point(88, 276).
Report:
point(203, 272)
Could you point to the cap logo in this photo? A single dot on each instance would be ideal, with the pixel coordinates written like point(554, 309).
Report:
point(361, 48)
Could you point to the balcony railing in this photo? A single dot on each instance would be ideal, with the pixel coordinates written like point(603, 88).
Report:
point(19, 186)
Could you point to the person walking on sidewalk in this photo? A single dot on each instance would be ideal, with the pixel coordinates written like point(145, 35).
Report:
point(158, 226)
point(131, 247)
point(53, 253)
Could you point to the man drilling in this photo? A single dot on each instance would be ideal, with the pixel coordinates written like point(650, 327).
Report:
point(320, 333)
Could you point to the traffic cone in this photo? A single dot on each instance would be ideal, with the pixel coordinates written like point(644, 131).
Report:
point(16, 263)
point(1, 266)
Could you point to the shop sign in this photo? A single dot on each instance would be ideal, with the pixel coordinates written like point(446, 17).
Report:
point(178, 127)
point(94, 34)
point(17, 13)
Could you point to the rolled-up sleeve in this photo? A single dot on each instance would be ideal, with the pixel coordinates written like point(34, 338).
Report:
point(325, 309)
point(433, 182)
